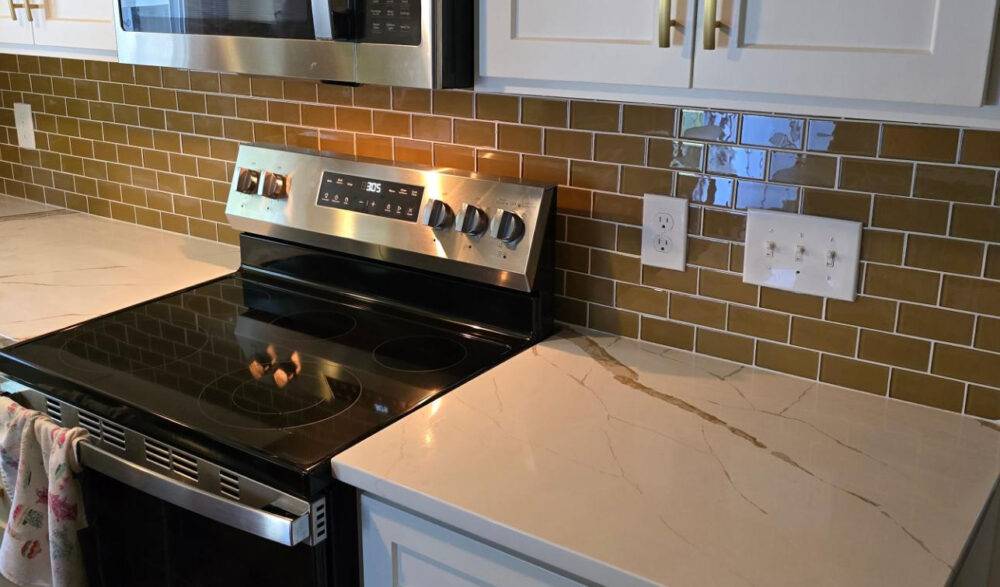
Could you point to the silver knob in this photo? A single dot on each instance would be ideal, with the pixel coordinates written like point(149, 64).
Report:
point(437, 214)
point(506, 226)
point(471, 220)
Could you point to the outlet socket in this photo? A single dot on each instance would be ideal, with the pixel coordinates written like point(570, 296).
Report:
point(664, 231)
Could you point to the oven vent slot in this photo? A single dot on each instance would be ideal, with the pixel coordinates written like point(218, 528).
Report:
point(172, 460)
point(229, 484)
point(318, 521)
point(54, 409)
point(91, 423)
point(113, 435)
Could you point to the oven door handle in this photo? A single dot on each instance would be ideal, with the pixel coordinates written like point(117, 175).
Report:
point(290, 529)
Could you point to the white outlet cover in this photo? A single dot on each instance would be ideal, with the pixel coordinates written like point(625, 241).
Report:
point(792, 252)
point(664, 231)
point(25, 125)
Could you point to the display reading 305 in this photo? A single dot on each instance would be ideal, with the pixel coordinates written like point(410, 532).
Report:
point(370, 196)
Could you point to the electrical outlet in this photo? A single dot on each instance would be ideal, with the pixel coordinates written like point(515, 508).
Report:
point(664, 231)
point(804, 254)
point(25, 125)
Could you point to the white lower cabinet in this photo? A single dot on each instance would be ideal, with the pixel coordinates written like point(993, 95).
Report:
point(405, 550)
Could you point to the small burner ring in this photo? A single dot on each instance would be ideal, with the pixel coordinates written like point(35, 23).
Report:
point(420, 353)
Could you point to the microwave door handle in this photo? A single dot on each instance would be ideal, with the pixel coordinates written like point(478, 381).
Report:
point(322, 25)
point(288, 530)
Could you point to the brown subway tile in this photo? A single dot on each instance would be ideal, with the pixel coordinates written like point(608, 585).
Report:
point(706, 253)
point(854, 374)
point(727, 286)
point(648, 120)
point(548, 170)
point(620, 149)
point(602, 116)
point(475, 133)
point(974, 295)
point(793, 303)
point(697, 311)
point(409, 151)
point(668, 333)
point(956, 184)
point(454, 103)
point(976, 222)
point(572, 257)
point(983, 402)
point(497, 107)
point(988, 334)
point(523, 139)
point(787, 359)
point(981, 147)
point(882, 247)
point(544, 112)
point(891, 349)
point(966, 364)
point(725, 346)
point(902, 284)
point(573, 201)
point(614, 321)
point(843, 137)
point(863, 311)
point(615, 208)
point(803, 169)
point(572, 311)
point(498, 163)
point(568, 143)
point(683, 281)
point(334, 95)
point(935, 323)
point(390, 123)
point(595, 176)
point(910, 214)
point(724, 225)
point(325, 116)
point(641, 299)
point(638, 181)
point(927, 390)
point(834, 204)
point(919, 143)
point(824, 336)
point(944, 254)
point(336, 142)
point(758, 323)
point(993, 262)
point(298, 90)
point(432, 128)
point(615, 266)
point(629, 240)
point(370, 96)
point(869, 175)
point(411, 99)
point(591, 233)
point(374, 147)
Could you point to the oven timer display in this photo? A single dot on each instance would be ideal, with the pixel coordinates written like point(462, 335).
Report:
point(370, 196)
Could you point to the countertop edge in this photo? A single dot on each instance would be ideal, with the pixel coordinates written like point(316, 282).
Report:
point(515, 541)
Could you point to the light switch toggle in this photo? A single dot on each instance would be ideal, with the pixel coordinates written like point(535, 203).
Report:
point(769, 248)
point(831, 258)
point(800, 251)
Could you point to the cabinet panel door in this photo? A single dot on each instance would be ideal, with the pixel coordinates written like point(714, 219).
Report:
point(14, 28)
point(81, 24)
point(927, 51)
point(593, 41)
point(400, 549)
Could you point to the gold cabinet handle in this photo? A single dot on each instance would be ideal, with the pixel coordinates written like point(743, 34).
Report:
point(710, 24)
point(666, 22)
point(27, 9)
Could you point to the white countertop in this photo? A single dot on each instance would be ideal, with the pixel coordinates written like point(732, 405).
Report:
point(627, 463)
point(59, 267)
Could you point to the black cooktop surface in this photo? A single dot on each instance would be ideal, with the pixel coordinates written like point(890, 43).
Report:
point(281, 373)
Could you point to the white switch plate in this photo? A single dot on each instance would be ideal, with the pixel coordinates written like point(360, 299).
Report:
point(793, 252)
point(25, 125)
point(664, 231)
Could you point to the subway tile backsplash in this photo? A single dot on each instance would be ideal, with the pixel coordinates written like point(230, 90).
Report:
point(156, 147)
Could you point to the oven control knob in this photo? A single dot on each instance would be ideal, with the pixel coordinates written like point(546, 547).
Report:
point(437, 214)
point(248, 181)
point(275, 185)
point(506, 226)
point(471, 220)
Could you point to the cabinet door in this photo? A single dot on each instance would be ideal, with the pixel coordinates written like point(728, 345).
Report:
point(927, 51)
point(14, 28)
point(400, 549)
point(79, 24)
point(594, 41)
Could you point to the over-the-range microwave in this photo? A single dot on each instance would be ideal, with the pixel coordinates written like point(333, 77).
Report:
point(414, 43)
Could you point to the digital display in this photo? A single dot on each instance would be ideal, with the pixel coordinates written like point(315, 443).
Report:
point(368, 196)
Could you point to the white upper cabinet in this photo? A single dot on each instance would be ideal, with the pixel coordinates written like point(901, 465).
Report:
point(625, 42)
point(926, 51)
point(62, 28)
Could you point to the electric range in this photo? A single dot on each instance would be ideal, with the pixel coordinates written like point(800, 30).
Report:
point(365, 291)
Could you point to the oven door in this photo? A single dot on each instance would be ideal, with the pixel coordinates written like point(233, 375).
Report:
point(293, 38)
point(148, 529)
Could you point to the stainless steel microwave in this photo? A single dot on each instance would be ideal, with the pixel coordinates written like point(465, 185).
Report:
point(414, 43)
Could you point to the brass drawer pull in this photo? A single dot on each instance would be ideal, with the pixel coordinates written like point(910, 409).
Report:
point(710, 24)
point(666, 22)
point(28, 7)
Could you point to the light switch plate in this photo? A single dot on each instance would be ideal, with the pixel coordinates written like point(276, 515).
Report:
point(664, 231)
point(25, 125)
point(803, 254)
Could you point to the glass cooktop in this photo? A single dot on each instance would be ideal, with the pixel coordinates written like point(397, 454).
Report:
point(284, 374)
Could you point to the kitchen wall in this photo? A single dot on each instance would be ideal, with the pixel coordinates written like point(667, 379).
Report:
point(155, 147)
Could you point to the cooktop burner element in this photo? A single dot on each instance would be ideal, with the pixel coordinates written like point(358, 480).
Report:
point(420, 354)
point(315, 325)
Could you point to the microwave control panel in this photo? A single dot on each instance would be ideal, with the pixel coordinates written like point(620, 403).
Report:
point(391, 22)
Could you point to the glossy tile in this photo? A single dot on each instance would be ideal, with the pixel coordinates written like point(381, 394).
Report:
point(802, 169)
point(858, 375)
point(766, 196)
point(956, 184)
point(919, 143)
point(787, 359)
point(668, 333)
point(981, 147)
point(648, 120)
point(709, 125)
point(935, 323)
point(705, 189)
point(613, 321)
point(927, 390)
point(824, 336)
point(601, 116)
point(738, 161)
point(544, 112)
point(772, 131)
point(681, 155)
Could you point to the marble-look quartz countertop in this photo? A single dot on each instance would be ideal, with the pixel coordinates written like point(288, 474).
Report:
point(59, 267)
point(625, 463)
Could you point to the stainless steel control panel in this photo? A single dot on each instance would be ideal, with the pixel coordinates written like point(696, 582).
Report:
point(437, 220)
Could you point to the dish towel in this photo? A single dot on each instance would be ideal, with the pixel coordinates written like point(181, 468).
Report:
point(37, 465)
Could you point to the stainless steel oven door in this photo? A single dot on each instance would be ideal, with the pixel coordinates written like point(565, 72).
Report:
point(292, 38)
